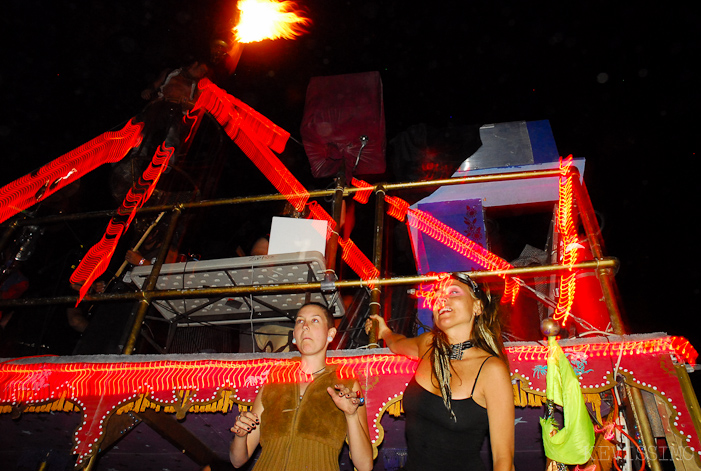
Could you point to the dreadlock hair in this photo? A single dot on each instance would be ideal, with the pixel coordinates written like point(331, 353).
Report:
point(486, 334)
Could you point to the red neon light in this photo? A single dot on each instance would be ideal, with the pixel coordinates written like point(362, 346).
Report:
point(255, 135)
point(398, 208)
point(352, 255)
point(570, 242)
point(98, 389)
point(358, 262)
point(677, 346)
point(464, 246)
point(364, 195)
point(47, 180)
point(98, 257)
point(40, 382)
point(433, 293)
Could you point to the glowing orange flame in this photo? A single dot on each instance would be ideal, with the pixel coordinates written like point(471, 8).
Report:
point(268, 19)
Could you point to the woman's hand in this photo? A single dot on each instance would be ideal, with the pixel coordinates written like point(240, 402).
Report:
point(381, 326)
point(246, 422)
point(346, 399)
point(398, 343)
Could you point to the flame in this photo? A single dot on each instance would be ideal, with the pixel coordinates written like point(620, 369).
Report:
point(268, 19)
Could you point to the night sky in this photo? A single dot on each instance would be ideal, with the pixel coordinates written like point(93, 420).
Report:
point(619, 85)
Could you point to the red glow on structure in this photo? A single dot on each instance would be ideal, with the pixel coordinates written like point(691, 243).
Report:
point(570, 241)
point(103, 388)
point(352, 255)
point(677, 346)
point(358, 262)
point(256, 135)
point(398, 208)
point(364, 195)
point(424, 222)
point(98, 257)
point(464, 246)
point(28, 190)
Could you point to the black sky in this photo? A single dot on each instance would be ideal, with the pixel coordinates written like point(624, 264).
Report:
point(618, 83)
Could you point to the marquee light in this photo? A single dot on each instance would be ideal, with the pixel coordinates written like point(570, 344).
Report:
point(351, 254)
point(464, 246)
point(570, 241)
point(38, 185)
point(397, 207)
point(256, 135)
point(99, 390)
point(39, 382)
point(424, 222)
point(677, 346)
point(362, 196)
point(96, 260)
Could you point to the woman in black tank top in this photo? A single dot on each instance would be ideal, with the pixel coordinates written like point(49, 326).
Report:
point(462, 387)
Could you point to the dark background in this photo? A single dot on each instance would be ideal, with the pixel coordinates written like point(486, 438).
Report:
point(618, 83)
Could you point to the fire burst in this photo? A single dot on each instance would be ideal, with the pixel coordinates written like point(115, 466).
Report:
point(268, 19)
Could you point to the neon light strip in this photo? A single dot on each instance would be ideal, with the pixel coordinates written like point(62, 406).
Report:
point(255, 135)
point(570, 242)
point(464, 246)
point(28, 190)
point(424, 222)
point(352, 255)
point(39, 382)
point(98, 257)
point(100, 389)
point(364, 195)
point(677, 346)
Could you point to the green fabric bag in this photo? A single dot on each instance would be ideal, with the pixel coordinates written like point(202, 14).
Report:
point(573, 443)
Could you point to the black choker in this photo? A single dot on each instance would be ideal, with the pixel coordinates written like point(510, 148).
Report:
point(457, 349)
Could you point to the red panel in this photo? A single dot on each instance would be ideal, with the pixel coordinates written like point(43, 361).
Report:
point(338, 110)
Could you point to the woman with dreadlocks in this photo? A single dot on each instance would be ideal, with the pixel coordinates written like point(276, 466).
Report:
point(462, 387)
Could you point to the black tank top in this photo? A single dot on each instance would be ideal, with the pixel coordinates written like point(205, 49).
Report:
point(434, 440)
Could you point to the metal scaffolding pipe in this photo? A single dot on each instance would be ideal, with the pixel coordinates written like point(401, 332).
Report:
point(388, 187)
point(378, 239)
point(608, 263)
point(150, 283)
point(606, 277)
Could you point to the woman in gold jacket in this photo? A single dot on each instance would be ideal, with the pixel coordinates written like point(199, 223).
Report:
point(302, 425)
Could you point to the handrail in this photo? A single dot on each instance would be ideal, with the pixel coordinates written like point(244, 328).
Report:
point(150, 295)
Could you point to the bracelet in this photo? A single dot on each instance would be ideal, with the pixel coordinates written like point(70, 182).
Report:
point(142, 261)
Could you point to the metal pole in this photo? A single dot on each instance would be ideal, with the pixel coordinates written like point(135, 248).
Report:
point(388, 187)
point(640, 413)
point(332, 245)
point(606, 277)
point(690, 399)
point(376, 292)
point(608, 263)
point(150, 283)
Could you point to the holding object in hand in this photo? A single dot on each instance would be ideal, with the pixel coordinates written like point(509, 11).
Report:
point(246, 422)
point(296, 421)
